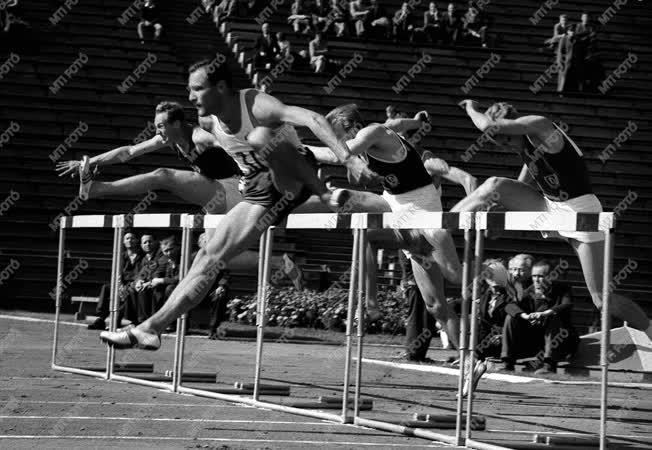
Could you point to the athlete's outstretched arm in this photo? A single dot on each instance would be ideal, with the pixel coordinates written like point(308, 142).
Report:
point(403, 125)
point(532, 125)
point(362, 141)
point(271, 112)
point(437, 167)
point(115, 156)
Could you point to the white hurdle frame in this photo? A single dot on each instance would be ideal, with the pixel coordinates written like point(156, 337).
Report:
point(359, 223)
point(543, 221)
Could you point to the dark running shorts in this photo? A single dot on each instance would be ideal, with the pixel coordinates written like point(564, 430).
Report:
point(258, 188)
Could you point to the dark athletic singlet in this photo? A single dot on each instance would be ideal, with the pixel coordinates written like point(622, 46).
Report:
point(560, 176)
point(212, 162)
point(402, 176)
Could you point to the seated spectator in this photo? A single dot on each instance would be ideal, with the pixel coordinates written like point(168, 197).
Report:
point(301, 17)
point(451, 25)
point(149, 19)
point(520, 272)
point(377, 22)
point(359, 11)
point(496, 303)
point(474, 29)
point(560, 30)
point(318, 49)
point(131, 257)
point(546, 331)
point(431, 24)
point(337, 19)
point(320, 15)
point(266, 48)
point(403, 23)
point(284, 46)
point(149, 265)
point(167, 275)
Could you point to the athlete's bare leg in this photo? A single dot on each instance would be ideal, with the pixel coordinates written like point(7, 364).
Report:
point(591, 256)
point(517, 196)
point(444, 254)
point(189, 186)
point(431, 285)
point(237, 231)
point(512, 194)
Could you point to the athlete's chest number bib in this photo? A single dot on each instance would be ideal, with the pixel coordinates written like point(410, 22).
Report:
point(249, 161)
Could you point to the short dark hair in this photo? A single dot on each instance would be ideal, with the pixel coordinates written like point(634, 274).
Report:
point(215, 71)
point(348, 116)
point(174, 111)
point(171, 240)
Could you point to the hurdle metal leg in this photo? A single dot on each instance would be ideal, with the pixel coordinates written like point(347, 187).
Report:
point(269, 237)
point(57, 311)
point(179, 348)
point(110, 355)
point(479, 255)
point(604, 346)
point(349, 324)
point(464, 329)
point(363, 241)
point(115, 295)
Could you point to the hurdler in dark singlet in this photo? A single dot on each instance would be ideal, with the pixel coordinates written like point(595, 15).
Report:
point(211, 162)
point(401, 176)
point(560, 176)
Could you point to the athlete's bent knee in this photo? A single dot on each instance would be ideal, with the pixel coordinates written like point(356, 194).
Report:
point(162, 176)
point(438, 310)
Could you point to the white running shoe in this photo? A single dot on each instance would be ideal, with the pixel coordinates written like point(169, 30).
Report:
point(85, 178)
point(339, 198)
point(479, 370)
point(131, 337)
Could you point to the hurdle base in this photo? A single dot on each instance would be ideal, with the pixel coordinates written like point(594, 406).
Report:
point(237, 391)
point(125, 367)
point(339, 400)
point(318, 405)
point(442, 425)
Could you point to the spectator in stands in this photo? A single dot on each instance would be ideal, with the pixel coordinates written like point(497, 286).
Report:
point(560, 30)
point(301, 17)
point(431, 24)
point(284, 46)
point(420, 325)
point(451, 25)
point(337, 17)
point(149, 266)
point(403, 23)
point(131, 257)
point(318, 49)
point(520, 272)
point(589, 69)
point(474, 29)
point(320, 15)
point(149, 19)
point(266, 47)
point(359, 11)
point(378, 24)
point(167, 275)
point(546, 331)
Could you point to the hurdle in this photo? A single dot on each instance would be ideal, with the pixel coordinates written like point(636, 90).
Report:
point(359, 223)
point(118, 223)
point(546, 221)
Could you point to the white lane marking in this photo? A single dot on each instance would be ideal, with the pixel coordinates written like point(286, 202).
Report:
point(269, 441)
point(170, 419)
point(496, 376)
point(118, 403)
point(565, 433)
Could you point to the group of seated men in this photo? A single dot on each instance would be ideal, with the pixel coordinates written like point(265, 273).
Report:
point(525, 313)
point(150, 271)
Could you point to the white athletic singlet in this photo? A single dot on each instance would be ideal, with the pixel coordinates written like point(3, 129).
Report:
point(236, 145)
